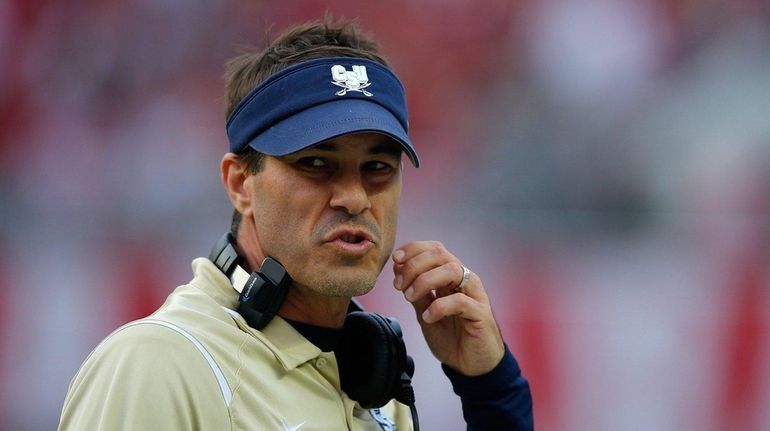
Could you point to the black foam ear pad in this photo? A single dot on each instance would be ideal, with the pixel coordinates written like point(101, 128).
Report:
point(372, 360)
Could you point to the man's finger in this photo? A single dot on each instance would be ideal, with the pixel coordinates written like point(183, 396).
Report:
point(455, 305)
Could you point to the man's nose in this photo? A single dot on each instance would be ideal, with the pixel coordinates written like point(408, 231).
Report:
point(349, 194)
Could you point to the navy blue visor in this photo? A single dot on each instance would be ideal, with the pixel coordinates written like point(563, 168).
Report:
point(317, 100)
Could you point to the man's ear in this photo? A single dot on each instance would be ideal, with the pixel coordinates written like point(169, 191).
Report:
point(234, 175)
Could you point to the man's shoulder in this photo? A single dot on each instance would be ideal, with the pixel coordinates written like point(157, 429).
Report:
point(150, 353)
point(184, 327)
point(148, 334)
point(190, 328)
point(146, 357)
point(144, 341)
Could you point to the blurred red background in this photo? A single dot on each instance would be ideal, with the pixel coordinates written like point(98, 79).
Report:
point(604, 166)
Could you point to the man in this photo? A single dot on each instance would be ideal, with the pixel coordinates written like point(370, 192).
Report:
point(317, 125)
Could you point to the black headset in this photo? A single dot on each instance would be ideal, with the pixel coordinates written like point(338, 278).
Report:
point(373, 364)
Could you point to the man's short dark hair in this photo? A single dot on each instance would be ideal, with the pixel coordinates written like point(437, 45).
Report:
point(317, 39)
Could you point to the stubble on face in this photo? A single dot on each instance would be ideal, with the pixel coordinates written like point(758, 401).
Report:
point(335, 274)
point(320, 269)
point(350, 279)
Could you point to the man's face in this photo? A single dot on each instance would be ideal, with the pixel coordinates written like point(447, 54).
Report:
point(329, 213)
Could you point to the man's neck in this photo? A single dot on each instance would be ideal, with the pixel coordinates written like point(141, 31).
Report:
point(326, 339)
point(248, 247)
point(306, 306)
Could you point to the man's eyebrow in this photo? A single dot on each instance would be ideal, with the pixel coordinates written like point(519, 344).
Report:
point(325, 146)
point(384, 148)
point(391, 149)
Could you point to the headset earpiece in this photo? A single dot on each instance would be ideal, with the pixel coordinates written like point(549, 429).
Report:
point(262, 292)
point(373, 360)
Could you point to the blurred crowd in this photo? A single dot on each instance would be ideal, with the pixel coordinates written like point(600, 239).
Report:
point(603, 165)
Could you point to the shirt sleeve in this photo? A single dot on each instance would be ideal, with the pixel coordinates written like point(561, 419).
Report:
point(498, 400)
point(144, 377)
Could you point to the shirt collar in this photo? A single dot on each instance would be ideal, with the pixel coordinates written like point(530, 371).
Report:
point(289, 346)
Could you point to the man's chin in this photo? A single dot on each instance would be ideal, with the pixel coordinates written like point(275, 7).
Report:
point(339, 275)
point(345, 282)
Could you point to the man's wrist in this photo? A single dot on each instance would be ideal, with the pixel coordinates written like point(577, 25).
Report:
point(497, 400)
point(488, 384)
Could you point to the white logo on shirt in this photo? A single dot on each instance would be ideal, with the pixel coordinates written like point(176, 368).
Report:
point(291, 428)
point(385, 423)
point(350, 80)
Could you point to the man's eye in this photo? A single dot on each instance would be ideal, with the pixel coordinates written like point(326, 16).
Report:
point(312, 162)
point(376, 166)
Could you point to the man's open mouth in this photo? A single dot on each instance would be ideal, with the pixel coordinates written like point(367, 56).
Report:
point(352, 238)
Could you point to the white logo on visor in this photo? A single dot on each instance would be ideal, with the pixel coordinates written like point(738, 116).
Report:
point(350, 80)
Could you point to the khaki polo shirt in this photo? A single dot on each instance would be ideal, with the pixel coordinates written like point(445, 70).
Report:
point(196, 365)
